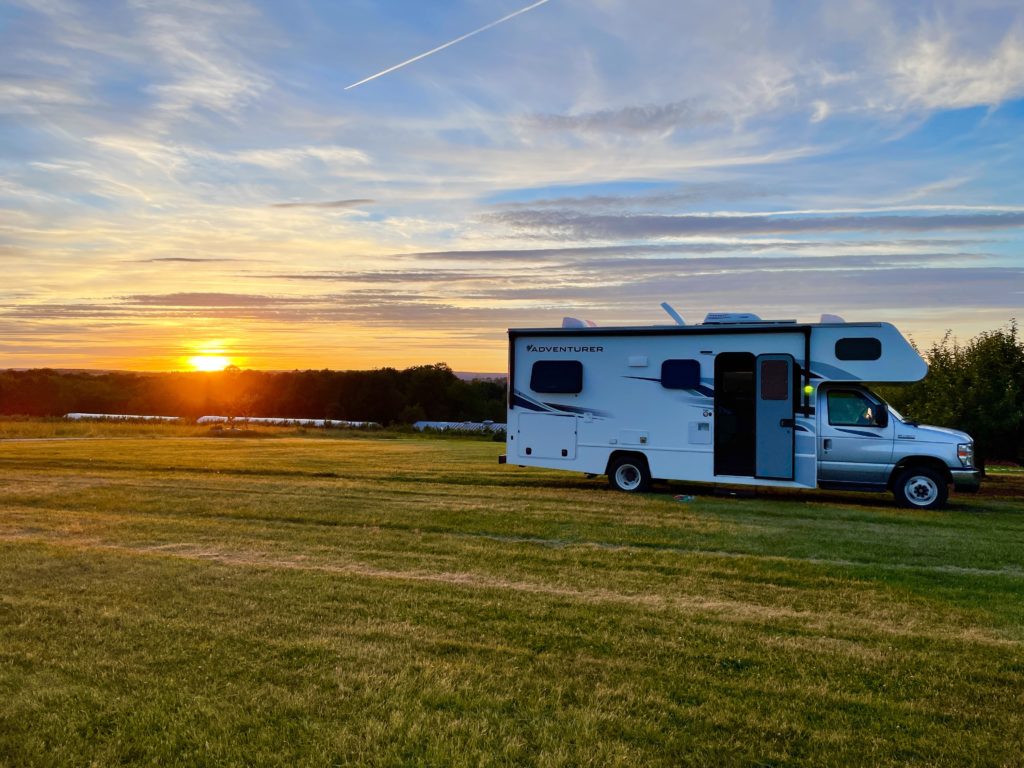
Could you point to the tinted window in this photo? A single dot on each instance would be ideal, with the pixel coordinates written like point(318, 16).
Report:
point(774, 380)
point(858, 349)
point(680, 374)
point(851, 409)
point(557, 376)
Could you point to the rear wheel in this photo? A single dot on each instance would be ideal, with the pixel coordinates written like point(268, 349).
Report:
point(629, 474)
point(921, 488)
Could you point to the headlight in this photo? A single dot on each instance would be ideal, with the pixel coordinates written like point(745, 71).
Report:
point(965, 452)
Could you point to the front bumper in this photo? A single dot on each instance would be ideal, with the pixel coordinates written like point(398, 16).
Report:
point(966, 480)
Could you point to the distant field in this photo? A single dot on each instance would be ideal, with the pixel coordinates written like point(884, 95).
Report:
point(28, 428)
point(171, 599)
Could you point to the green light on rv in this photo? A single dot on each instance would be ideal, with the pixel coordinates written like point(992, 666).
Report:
point(809, 389)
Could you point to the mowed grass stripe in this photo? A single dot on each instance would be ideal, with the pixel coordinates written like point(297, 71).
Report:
point(328, 610)
point(759, 601)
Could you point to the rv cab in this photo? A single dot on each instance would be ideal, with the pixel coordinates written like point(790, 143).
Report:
point(865, 444)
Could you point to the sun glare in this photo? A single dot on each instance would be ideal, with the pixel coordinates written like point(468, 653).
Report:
point(209, 362)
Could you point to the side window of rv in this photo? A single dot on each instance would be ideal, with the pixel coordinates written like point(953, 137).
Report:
point(680, 374)
point(557, 377)
point(851, 409)
point(858, 349)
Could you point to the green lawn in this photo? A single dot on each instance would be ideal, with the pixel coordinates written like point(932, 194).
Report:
point(288, 601)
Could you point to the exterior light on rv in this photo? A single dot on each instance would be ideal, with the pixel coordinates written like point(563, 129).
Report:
point(809, 390)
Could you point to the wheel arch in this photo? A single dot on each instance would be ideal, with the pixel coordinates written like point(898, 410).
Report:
point(614, 456)
point(920, 461)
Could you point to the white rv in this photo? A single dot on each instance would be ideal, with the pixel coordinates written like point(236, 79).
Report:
point(734, 400)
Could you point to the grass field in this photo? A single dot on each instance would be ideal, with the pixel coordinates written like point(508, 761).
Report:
point(168, 599)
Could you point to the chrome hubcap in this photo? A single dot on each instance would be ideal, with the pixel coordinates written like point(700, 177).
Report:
point(922, 490)
point(628, 477)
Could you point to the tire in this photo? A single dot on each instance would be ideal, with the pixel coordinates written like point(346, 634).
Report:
point(629, 474)
point(921, 488)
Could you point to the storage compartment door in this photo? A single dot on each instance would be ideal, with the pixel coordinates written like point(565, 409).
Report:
point(775, 410)
point(546, 436)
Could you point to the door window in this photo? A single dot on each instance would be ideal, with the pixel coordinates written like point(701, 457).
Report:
point(775, 380)
point(847, 408)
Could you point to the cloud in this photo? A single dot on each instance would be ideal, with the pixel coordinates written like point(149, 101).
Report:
point(814, 291)
point(614, 295)
point(198, 44)
point(650, 118)
point(533, 254)
point(286, 158)
point(186, 259)
point(821, 111)
point(588, 252)
point(353, 203)
point(579, 226)
point(935, 75)
point(33, 95)
point(378, 276)
point(689, 194)
point(208, 300)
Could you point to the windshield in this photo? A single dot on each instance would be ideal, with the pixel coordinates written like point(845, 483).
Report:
point(897, 414)
point(892, 410)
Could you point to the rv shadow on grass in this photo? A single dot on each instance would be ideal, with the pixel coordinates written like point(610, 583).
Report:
point(995, 488)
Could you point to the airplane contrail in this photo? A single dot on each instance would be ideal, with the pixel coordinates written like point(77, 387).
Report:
point(432, 51)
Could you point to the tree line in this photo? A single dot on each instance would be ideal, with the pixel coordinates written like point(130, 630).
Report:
point(386, 395)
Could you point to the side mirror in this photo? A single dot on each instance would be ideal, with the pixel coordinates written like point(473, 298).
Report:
point(882, 419)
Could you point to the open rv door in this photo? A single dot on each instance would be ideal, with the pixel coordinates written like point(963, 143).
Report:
point(775, 412)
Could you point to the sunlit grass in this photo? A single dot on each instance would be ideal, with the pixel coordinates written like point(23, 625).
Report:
point(407, 601)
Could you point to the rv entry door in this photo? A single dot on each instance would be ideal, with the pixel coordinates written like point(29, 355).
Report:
point(775, 426)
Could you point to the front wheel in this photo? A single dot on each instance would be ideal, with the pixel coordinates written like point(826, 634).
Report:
point(629, 474)
point(921, 488)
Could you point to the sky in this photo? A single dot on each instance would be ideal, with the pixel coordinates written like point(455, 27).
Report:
point(190, 179)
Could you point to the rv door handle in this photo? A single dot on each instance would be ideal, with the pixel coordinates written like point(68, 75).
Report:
point(827, 443)
point(786, 422)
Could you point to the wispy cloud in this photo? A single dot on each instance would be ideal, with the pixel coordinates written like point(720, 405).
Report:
point(209, 300)
point(353, 203)
point(934, 74)
point(579, 226)
point(185, 259)
point(650, 118)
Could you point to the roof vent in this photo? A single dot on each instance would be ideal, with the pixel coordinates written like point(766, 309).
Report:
point(573, 322)
point(728, 318)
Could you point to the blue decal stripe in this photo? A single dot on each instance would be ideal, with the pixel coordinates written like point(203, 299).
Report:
point(857, 432)
point(518, 398)
point(577, 409)
point(522, 402)
point(700, 389)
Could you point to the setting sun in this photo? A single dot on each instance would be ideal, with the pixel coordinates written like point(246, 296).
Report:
point(209, 362)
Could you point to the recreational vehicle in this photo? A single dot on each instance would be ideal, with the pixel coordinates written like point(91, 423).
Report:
point(733, 400)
